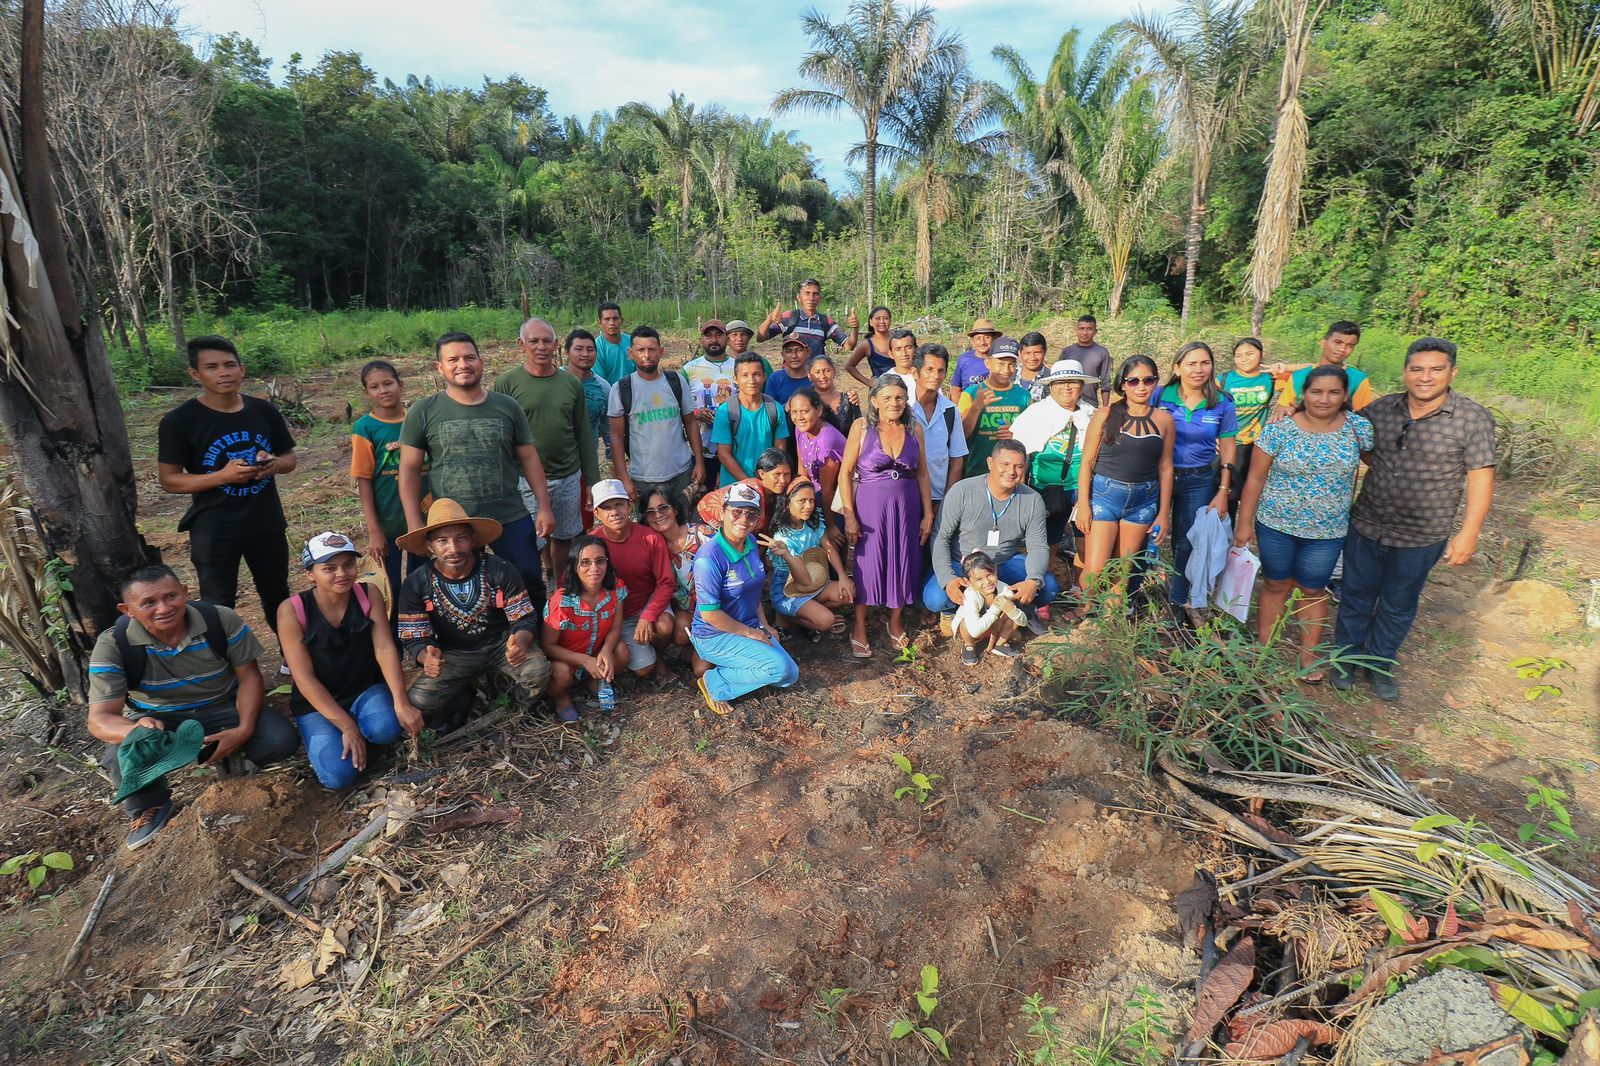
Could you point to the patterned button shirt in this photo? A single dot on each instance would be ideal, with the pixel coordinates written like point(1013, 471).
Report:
point(1418, 469)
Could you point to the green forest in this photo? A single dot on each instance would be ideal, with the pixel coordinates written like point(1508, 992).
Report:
point(1415, 165)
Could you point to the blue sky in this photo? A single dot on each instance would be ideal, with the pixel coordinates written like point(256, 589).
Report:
point(732, 52)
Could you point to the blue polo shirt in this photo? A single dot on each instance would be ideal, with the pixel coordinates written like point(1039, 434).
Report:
point(943, 439)
point(727, 580)
point(816, 330)
point(1199, 429)
point(780, 386)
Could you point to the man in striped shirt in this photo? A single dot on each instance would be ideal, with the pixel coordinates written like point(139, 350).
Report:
point(169, 661)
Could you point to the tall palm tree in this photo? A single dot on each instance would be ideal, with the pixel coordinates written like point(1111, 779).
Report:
point(1115, 169)
point(1279, 212)
point(864, 63)
point(675, 134)
point(1207, 56)
point(943, 131)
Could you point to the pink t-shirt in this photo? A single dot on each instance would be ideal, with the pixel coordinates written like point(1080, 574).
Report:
point(817, 451)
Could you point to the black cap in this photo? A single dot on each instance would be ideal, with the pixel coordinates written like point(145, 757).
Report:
point(1005, 348)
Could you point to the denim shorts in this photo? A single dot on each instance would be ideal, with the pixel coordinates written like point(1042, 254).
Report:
point(1309, 562)
point(1119, 501)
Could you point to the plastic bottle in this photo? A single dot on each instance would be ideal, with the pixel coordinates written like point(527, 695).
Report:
point(608, 697)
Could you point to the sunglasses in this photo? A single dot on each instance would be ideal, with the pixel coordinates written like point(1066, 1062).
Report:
point(660, 508)
point(1140, 381)
point(592, 562)
point(1405, 431)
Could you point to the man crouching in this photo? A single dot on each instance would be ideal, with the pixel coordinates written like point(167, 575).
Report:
point(465, 616)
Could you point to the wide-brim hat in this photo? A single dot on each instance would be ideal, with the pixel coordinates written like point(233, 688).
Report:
point(1065, 370)
point(739, 325)
point(983, 325)
point(145, 756)
point(810, 575)
point(447, 512)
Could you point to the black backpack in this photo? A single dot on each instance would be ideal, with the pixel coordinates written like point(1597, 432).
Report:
point(736, 412)
point(625, 392)
point(133, 659)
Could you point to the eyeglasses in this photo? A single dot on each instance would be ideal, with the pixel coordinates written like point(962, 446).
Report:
point(660, 508)
point(1140, 381)
point(1405, 430)
point(593, 562)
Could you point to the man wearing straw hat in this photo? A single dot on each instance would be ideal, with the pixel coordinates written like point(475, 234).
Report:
point(464, 616)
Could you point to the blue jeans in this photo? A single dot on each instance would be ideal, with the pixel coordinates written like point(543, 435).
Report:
point(1379, 600)
point(1191, 490)
point(1012, 571)
point(1133, 502)
point(519, 546)
point(743, 664)
point(1308, 562)
point(373, 711)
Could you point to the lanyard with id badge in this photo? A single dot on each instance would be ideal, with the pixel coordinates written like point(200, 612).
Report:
point(993, 540)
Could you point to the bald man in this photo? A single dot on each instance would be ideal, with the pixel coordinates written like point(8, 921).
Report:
point(559, 418)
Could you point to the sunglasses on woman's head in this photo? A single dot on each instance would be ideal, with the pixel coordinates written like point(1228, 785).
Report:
point(1140, 381)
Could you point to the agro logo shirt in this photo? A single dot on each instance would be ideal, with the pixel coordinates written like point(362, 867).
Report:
point(202, 441)
point(999, 415)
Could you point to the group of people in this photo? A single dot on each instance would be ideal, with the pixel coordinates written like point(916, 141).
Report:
point(719, 512)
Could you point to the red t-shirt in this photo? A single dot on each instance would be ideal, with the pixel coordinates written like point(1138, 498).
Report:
point(582, 628)
point(644, 565)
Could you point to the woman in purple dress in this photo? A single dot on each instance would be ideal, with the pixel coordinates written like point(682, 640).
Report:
point(818, 447)
point(888, 508)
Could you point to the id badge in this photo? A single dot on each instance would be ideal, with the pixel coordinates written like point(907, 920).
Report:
point(994, 538)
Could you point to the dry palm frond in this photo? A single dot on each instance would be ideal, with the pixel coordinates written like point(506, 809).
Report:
point(25, 628)
point(1327, 936)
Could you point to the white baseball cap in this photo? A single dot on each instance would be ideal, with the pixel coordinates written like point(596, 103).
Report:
point(608, 490)
point(324, 546)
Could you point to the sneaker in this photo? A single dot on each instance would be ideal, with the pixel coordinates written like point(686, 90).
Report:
point(947, 624)
point(969, 656)
point(717, 707)
point(1342, 679)
point(1037, 626)
point(1384, 686)
point(1006, 650)
point(147, 823)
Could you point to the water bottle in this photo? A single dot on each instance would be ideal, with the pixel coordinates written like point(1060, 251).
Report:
point(1152, 548)
point(608, 697)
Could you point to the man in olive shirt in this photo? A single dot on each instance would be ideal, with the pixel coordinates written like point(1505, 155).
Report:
point(169, 661)
point(1428, 445)
point(476, 443)
point(559, 419)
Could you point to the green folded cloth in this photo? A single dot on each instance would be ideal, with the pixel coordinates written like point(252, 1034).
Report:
point(148, 755)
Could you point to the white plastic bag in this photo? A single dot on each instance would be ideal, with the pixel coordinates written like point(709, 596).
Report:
point(1235, 582)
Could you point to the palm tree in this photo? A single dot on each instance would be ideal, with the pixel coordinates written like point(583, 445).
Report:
point(1207, 57)
point(865, 63)
point(943, 131)
point(675, 134)
point(1564, 39)
point(1042, 114)
point(1279, 212)
point(1115, 169)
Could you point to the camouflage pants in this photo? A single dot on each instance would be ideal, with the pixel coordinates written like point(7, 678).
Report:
point(447, 699)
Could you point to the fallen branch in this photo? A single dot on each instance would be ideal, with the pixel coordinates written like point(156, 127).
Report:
point(456, 955)
point(1309, 795)
point(282, 905)
point(1230, 821)
point(339, 857)
point(81, 942)
point(741, 1041)
point(476, 725)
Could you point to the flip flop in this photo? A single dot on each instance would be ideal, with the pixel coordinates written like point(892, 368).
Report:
point(1316, 677)
point(899, 641)
point(717, 707)
point(839, 626)
point(860, 649)
point(568, 715)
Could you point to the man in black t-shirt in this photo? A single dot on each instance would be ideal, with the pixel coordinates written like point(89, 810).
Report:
point(225, 450)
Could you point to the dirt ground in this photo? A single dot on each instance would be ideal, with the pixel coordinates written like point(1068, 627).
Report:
point(670, 888)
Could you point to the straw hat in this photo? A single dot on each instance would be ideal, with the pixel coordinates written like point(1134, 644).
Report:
point(447, 512)
point(983, 325)
point(814, 562)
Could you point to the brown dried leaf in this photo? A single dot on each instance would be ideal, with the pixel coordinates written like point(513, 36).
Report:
point(1450, 924)
point(1550, 939)
point(1581, 924)
point(1196, 903)
point(1276, 1039)
point(1222, 988)
point(296, 973)
point(328, 950)
point(1267, 829)
point(467, 819)
point(1378, 980)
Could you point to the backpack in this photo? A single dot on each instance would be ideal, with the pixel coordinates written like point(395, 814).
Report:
point(300, 605)
point(949, 422)
point(736, 412)
point(625, 393)
point(133, 659)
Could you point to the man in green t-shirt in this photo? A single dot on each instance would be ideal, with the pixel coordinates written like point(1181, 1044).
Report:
point(559, 419)
point(988, 407)
point(476, 443)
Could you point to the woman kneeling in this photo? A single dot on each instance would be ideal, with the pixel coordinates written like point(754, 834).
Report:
point(348, 689)
point(801, 556)
point(730, 630)
point(582, 636)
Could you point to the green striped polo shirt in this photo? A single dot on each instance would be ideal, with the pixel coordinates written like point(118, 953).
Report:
point(187, 677)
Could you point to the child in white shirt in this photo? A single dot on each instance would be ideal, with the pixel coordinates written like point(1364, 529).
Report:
point(986, 610)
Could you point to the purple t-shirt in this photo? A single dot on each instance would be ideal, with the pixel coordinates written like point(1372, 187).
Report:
point(816, 452)
point(970, 369)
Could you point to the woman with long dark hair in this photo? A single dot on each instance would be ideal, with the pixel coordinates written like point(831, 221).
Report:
point(874, 348)
point(1206, 424)
point(582, 632)
point(842, 407)
point(1296, 504)
point(888, 513)
point(818, 445)
point(667, 515)
point(1125, 474)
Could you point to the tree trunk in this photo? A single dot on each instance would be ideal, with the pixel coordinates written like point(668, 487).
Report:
point(62, 411)
point(869, 210)
point(1191, 243)
point(1258, 314)
point(1119, 278)
point(925, 241)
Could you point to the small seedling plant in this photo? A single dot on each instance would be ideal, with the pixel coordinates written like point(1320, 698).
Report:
point(34, 867)
point(908, 657)
point(921, 1027)
point(830, 1005)
point(921, 785)
point(1551, 827)
point(1533, 668)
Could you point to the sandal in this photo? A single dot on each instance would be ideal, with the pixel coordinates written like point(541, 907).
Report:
point(1315, 677)
point(568, 715)
point(839, 626)
point(860, 649)
point(720, 708)
point(813, 636)
point(899, 641)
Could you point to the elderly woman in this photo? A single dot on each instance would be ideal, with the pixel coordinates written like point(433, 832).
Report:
point(1053, 429)
point(730, 630)
point(888, 512)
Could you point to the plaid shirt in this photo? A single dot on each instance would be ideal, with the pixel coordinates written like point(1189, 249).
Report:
point(1417, 470)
